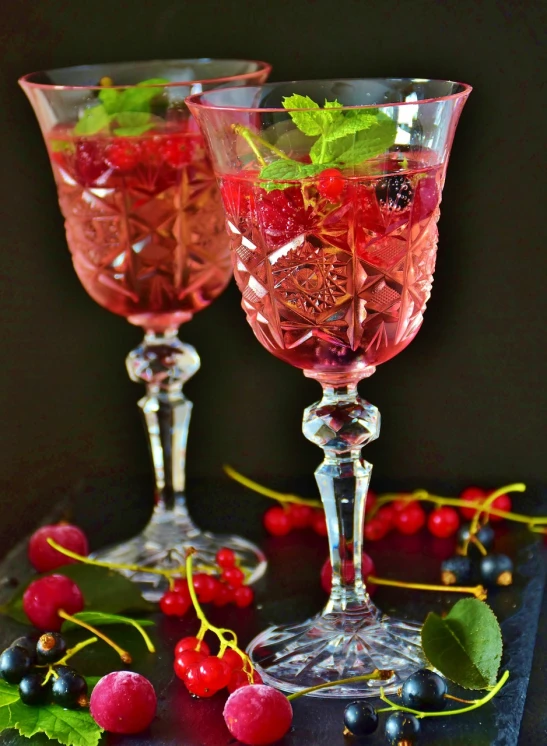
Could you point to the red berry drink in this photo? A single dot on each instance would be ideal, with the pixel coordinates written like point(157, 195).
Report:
point(336, 271)
point(144, 222)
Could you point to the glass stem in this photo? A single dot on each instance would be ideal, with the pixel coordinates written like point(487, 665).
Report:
point(341, 423)
point(164, 364)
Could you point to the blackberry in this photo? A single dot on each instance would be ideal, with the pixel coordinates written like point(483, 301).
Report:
point(394, 192)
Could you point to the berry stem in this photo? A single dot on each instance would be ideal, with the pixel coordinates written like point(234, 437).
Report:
point(124, 655)
point(478, 591)
point(376, 675)
point(253, 137)
point(281, 497)
point(474, 705)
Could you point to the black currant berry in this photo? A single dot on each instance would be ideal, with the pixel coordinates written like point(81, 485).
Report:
point(424, 691)
point(14, 664)
point(496, 569)
point(32, 689)
point(485, 535)
point(360, 719)
point(456, 570)
point(50, 647)
point(69, 689)
point(402, 726)
point(26, 643)
point(394, 192)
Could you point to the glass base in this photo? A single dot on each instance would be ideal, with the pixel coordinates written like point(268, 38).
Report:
point(163, 545)
point(339, 645)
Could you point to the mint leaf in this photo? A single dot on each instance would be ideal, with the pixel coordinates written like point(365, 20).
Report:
point(68, 727)
point(352, 122)
point(466, 645)
point(93, 120)
point(140, 97)
point(284, 170)
point(110, 98)
point(308, 122)
point(372, 142)
point(133, 123)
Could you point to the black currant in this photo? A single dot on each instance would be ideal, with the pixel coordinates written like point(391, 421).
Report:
point(50, 647)
point(485, 535)
point(394, 192)
point(69, 689)
point(14, 664)
point(32, 689)
point(360, 719)
point(402, 726)
point(26, 643)
point(424, 691)
point(456, 570)
point(496, 569)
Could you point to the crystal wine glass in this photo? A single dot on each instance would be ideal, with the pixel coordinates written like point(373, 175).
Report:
point(145, 226)
point(331, 191)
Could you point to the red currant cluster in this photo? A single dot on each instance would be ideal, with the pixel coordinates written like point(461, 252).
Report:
point(280, 521)
point(227, 588)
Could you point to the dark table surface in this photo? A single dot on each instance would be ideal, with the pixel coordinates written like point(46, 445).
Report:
point(112, 508)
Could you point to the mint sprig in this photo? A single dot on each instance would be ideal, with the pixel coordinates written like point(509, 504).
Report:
point(344, 139)
point(127, 112)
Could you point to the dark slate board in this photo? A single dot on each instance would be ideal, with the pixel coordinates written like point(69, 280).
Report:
point(291, 591)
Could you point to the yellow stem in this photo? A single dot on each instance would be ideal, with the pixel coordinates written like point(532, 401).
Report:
point(124, 655)
point(478, 591)
point(375, 675)
point(66, 657)
point(245, 133)
point(279, 496)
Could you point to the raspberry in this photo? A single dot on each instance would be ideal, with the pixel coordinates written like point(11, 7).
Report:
point(123, 702)
point(89, 164)
point(240, 678)
point(238, 197)
point(282, 215)
point(330, 184)
point(44, 598)
point(44, 558)
point(410, 520)
point(123, 154)
point(300, 516)
point(258, 715)
point(277, 521)
point(243, 596)
point(177, 151)
point(191, 643)
point(226, 557)
point(319, 523)
point(426, 199)
point(443, 522)
point(348, 572)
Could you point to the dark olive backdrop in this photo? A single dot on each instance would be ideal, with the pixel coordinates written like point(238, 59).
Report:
point(466, 401)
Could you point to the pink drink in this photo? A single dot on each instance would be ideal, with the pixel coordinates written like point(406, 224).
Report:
point(336, 274)
point(144, 223)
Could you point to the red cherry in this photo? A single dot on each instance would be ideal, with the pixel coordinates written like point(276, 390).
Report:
point(319, 523)
point(348, 571)
point(226, 557)
point(443, 522)
point(224, 595)
point(277, 521)
point(123, 154)
point(410, 520)
point(191, 643)
point(177, 151)
point(330, 184)
point(175, 604)
point(300, 516)
point(243, 596)
point(473, 494)
point(206, 587)
point(44, 558)
point(233, 577)
point(184, 660)
point(240, 678)
point(44, 598)
point(503, 502)
point(232, 659)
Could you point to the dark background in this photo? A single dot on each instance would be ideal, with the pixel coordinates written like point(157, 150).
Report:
point(465, 402)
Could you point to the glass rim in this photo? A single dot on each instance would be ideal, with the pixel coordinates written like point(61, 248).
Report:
point(261, 68)
point(194, 99)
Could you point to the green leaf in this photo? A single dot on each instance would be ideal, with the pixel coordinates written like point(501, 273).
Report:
point(110, 98)
point(285, 170)
point(352, 122)
point(98, 619)
point(61, 146)
point(311, 122)
point(372, 142)
point(140, 97)
point(133, 123)
point(93, 120)
point(103, 590)
point(466, 645)
point(68, 727)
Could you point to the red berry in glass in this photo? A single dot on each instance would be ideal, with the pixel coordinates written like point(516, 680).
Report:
point(192, 643)
point(277, 521)
point(44, 598)
point(123, 702)
point(258, 715)
point(443, 522)
point(331, 184)
point(43, 557)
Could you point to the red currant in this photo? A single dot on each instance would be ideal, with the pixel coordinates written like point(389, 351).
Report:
point(300, 516)
point(375, 529)
point(258, 715)
point(206, 587)
point(243, 596)
point(443, 522)
point(240, 678)
point(277, 521)
point(123, 154)
point(503, 502)
point(175, 604)
point(284, 215)
point(177, 151)
point(123, 702)
point(192, 643)
point(387, 514)
point(89, 164)
point(371, 501)
point(44, 598)
point(44, 558)
point(472, 494)
point(232, 659)
point(180, 585)
point(319, 523)
point(194, 684)
point(214, 674)
point(226, 557)
point(348, 571)
point(224, 595)
point(233, 577)
point(410, 520)
point(330, 184)
point(184, 660)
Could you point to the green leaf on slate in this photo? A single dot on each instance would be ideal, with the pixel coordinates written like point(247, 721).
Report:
point(93, 120)
point(103, 590)
point(68, 727)
point(466, 645)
